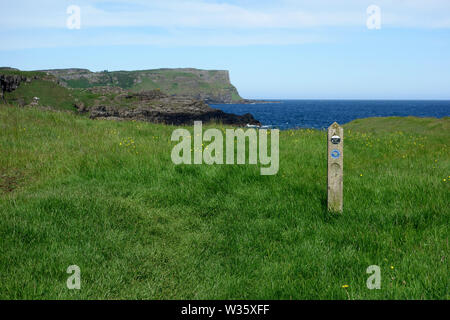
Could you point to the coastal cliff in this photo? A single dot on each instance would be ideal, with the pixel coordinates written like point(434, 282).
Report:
point(210, 86)
point(43, 89)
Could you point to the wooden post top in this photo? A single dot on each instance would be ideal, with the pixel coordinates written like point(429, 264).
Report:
point(334, 125)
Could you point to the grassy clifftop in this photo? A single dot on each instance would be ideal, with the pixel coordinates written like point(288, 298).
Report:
point(105, 196)
point(211, 86)
point(49, 93)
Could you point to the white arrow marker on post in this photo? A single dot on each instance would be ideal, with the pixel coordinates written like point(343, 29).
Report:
point(335, 167)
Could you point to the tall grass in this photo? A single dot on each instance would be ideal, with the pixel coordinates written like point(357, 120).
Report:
point(105, 196)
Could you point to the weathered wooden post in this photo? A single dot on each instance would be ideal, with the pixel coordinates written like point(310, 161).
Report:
point(335, 167)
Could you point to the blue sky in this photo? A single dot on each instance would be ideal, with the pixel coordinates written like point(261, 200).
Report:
point(318, 49)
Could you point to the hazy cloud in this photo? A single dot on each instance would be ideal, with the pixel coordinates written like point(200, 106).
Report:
point(232, 21)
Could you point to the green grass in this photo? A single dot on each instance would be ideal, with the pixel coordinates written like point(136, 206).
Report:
point(7, 71)
point(172, 74)
point(49, 94)
point(81, 83)
point(140, 227)
point(125, 79)
point(104, 79)
point(146, 84)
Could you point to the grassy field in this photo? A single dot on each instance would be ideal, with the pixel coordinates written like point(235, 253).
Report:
point(105, 196)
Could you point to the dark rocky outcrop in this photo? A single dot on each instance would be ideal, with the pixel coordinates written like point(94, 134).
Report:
point(155, 106)
point(11, 79)
point(174, 118)
point(9, 83)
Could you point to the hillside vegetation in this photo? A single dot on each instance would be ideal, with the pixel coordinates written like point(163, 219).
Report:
point(211, 86)
point(105, 196)
point(49, 93)
point(40, 89)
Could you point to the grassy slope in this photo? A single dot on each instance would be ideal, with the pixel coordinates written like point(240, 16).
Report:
point(141, 227)
point(49, 93)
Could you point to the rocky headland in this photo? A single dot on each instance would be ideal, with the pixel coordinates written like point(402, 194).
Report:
point(44, 89)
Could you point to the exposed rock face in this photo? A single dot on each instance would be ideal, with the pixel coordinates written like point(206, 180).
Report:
point(9, 83)
point(155, 106)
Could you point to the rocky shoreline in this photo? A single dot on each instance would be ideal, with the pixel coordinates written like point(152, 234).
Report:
point(157, 107)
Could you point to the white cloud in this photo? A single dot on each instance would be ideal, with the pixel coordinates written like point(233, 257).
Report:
point(191, 22)
point(207, 14)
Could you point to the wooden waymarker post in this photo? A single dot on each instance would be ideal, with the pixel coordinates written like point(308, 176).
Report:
point(335, 167)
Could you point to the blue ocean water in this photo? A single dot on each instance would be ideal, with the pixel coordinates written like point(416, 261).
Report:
point(319, 114)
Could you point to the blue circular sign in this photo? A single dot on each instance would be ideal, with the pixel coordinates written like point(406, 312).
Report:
point(335, 154)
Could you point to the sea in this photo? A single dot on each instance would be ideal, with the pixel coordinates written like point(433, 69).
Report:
point(319, 114)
